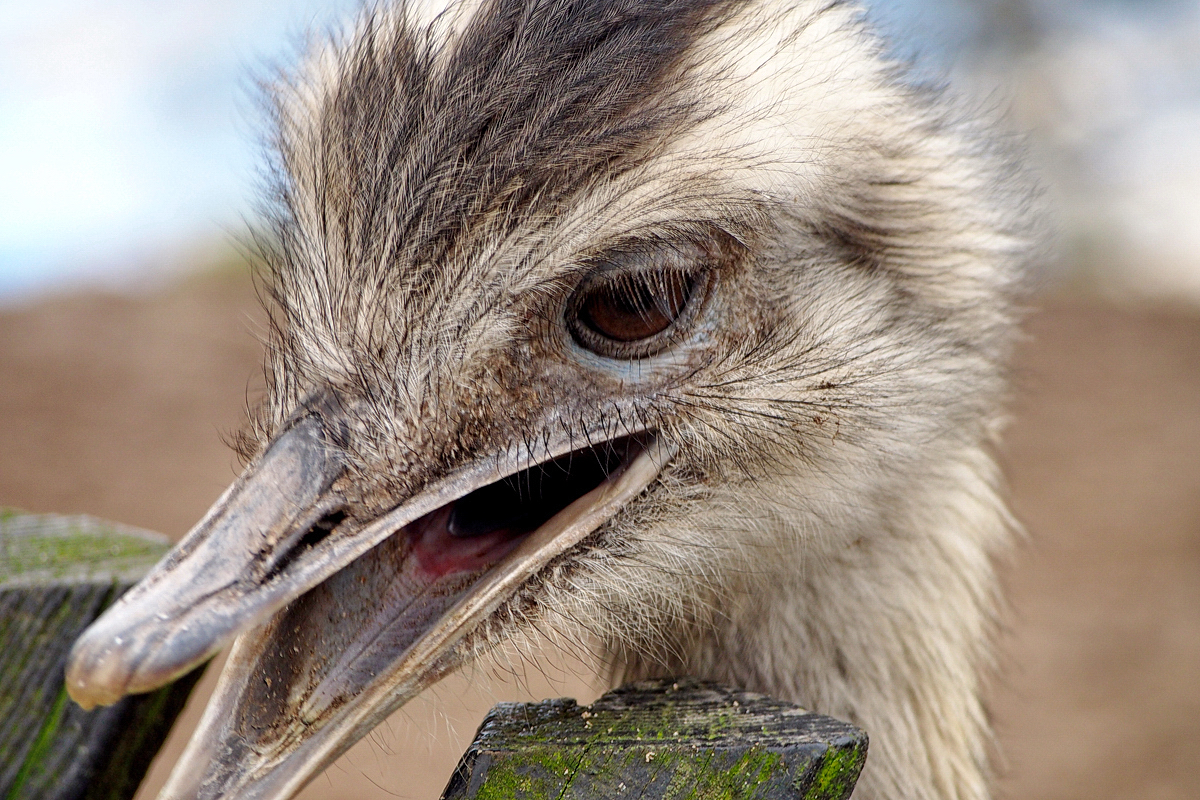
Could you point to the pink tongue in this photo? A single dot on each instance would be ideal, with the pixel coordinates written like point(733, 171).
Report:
point(436, 553)
point(380, 604)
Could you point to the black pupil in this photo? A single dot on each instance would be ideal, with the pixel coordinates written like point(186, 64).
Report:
point(522, 502)
point(636, 307)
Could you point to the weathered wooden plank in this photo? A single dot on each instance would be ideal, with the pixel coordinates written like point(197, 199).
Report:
point(56, 575)
point(659, 740)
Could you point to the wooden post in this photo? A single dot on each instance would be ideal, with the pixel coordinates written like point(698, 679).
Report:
point(56, 575)
point(662, 739)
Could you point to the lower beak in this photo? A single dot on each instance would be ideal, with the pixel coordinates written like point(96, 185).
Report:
point(340, 622)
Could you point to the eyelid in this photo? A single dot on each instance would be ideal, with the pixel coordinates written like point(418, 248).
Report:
point(602, 277)
point(652, 255)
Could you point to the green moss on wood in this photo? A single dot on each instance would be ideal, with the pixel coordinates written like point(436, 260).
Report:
point(56, 575)
point(42, 746)
point(674, 741)
point(838, 772)
point(40, 548)
point(546, 771)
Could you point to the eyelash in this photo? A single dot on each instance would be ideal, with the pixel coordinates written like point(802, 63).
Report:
point(636, 313)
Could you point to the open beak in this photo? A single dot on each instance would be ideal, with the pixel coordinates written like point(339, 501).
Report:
point(338, 621)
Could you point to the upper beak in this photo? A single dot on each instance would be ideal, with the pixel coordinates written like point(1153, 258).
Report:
point(340, 621)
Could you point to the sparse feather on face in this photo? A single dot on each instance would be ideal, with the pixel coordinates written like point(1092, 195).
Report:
point(718, 246)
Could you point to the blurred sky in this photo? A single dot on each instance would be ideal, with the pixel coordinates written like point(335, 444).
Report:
point(128, 129)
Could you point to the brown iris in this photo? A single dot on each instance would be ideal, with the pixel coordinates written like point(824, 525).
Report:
point(633, 314)
point(636, 307)
point(642, 297)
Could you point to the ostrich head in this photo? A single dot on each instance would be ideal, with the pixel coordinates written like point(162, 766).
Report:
point(673, 324)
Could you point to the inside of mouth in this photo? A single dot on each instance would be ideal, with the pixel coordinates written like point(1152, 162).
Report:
point(523, 502)
point(385, 601)
point(475, 531)
point(479, 529)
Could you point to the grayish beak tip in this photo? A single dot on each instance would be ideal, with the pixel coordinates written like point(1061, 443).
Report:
point(207, 590)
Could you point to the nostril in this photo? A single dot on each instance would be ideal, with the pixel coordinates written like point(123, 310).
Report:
point(321, 529)
point(318, 532)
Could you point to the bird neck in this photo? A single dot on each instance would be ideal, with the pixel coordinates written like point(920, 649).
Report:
point(887, 626)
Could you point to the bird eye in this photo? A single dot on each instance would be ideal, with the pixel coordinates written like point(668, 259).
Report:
point(641, 296)
point(637, 306)
point(633, 314)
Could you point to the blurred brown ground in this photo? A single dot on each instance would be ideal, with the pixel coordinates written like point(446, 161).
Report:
point(117, 406)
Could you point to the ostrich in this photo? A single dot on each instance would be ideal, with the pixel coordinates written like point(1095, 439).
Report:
point(674, 325)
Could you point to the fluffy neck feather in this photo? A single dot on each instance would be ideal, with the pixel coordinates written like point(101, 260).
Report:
point(887, 626)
